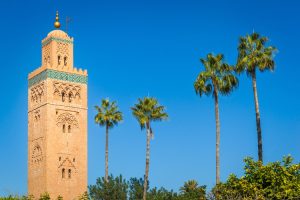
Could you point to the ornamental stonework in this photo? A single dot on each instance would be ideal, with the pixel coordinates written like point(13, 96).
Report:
point(62, 49)
point(67, 163)
point(37, 93)
point(37, 154)
point(36, 116)
point(46, 55)
point(66, 92)
point(66, 169)
point(67, 119)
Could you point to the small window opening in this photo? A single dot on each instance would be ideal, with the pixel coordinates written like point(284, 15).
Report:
point(63, 173)
point(69, 129)
point(65, 60)
point(73, 159)
point(70, 97)
point(58, 60)
point(64, 128)
point(59, 158)
point(63, 96)
point(69, 173)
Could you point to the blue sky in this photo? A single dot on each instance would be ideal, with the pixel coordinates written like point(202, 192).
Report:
point(135, 48)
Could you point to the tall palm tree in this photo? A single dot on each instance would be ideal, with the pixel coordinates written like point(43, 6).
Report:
point(252, 55)
point(217, 78)
point(109, 116)
point(146, 111)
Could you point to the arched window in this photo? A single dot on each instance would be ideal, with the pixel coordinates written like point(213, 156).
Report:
point(64, 128)
point(65, 60)
point(69, 129)
point(63, 94)
point(63, 173)
point(58, 60)
point(69, 173)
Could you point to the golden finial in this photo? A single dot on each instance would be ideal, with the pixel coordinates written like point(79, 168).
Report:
point(57, 23)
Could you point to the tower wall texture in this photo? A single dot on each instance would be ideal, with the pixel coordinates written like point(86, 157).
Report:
point(57, 122)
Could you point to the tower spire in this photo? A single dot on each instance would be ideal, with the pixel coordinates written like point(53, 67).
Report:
point(57, 23)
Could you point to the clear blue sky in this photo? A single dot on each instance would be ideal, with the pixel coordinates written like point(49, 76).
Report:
point(135, 48)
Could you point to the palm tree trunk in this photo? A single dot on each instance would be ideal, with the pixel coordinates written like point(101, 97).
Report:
point(258, 126)
point(106, 155)
point(147, 161)
point(217, 136)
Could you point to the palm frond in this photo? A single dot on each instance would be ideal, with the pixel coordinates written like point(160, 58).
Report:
point(108, 114)
point(217, 76)
point(253, 53)
point(148, 109)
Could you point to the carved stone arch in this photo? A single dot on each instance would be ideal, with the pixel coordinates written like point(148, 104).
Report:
point(61, 86)
point(70, 96)
point(68, 89)
point(37, 154)
point(66, 163)
point(37, 150)
point(66, 168)
point(37, 93)
point(77, 95)
point(67, 119)
point(37, 115)
point(40, 94)
point(56, 92)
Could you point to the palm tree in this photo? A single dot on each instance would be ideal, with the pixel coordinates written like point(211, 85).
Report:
point(191, 190)
point(253, 54)
point(189, 186)
point(146, 111)
point(108, 115)
point(216, 78)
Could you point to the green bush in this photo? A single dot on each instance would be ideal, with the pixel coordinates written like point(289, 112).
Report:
point(161, 194)
point(113, 189)
point(136, 188)
point(276, 180)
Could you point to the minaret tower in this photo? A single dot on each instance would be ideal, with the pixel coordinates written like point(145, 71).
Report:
point(57, 121)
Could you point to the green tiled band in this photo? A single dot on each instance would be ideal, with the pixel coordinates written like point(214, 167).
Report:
point(53, 74)
point(57, 40)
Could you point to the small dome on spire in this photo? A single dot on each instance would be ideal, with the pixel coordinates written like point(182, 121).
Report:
point(57, 23)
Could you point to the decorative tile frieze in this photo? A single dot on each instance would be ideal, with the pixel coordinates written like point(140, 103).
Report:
point(57, 40)
point(53, 74)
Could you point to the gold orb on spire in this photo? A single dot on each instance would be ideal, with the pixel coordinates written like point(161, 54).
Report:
point(57, 23)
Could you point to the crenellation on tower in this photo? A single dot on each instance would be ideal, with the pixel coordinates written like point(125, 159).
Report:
point(57, 121)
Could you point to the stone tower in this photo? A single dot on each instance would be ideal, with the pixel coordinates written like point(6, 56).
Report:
point(57, 121)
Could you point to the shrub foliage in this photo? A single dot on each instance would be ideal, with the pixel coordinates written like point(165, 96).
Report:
point(276, 181)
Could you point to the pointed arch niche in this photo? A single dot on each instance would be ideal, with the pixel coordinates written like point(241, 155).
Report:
point(66, 169)
point(67, 122)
